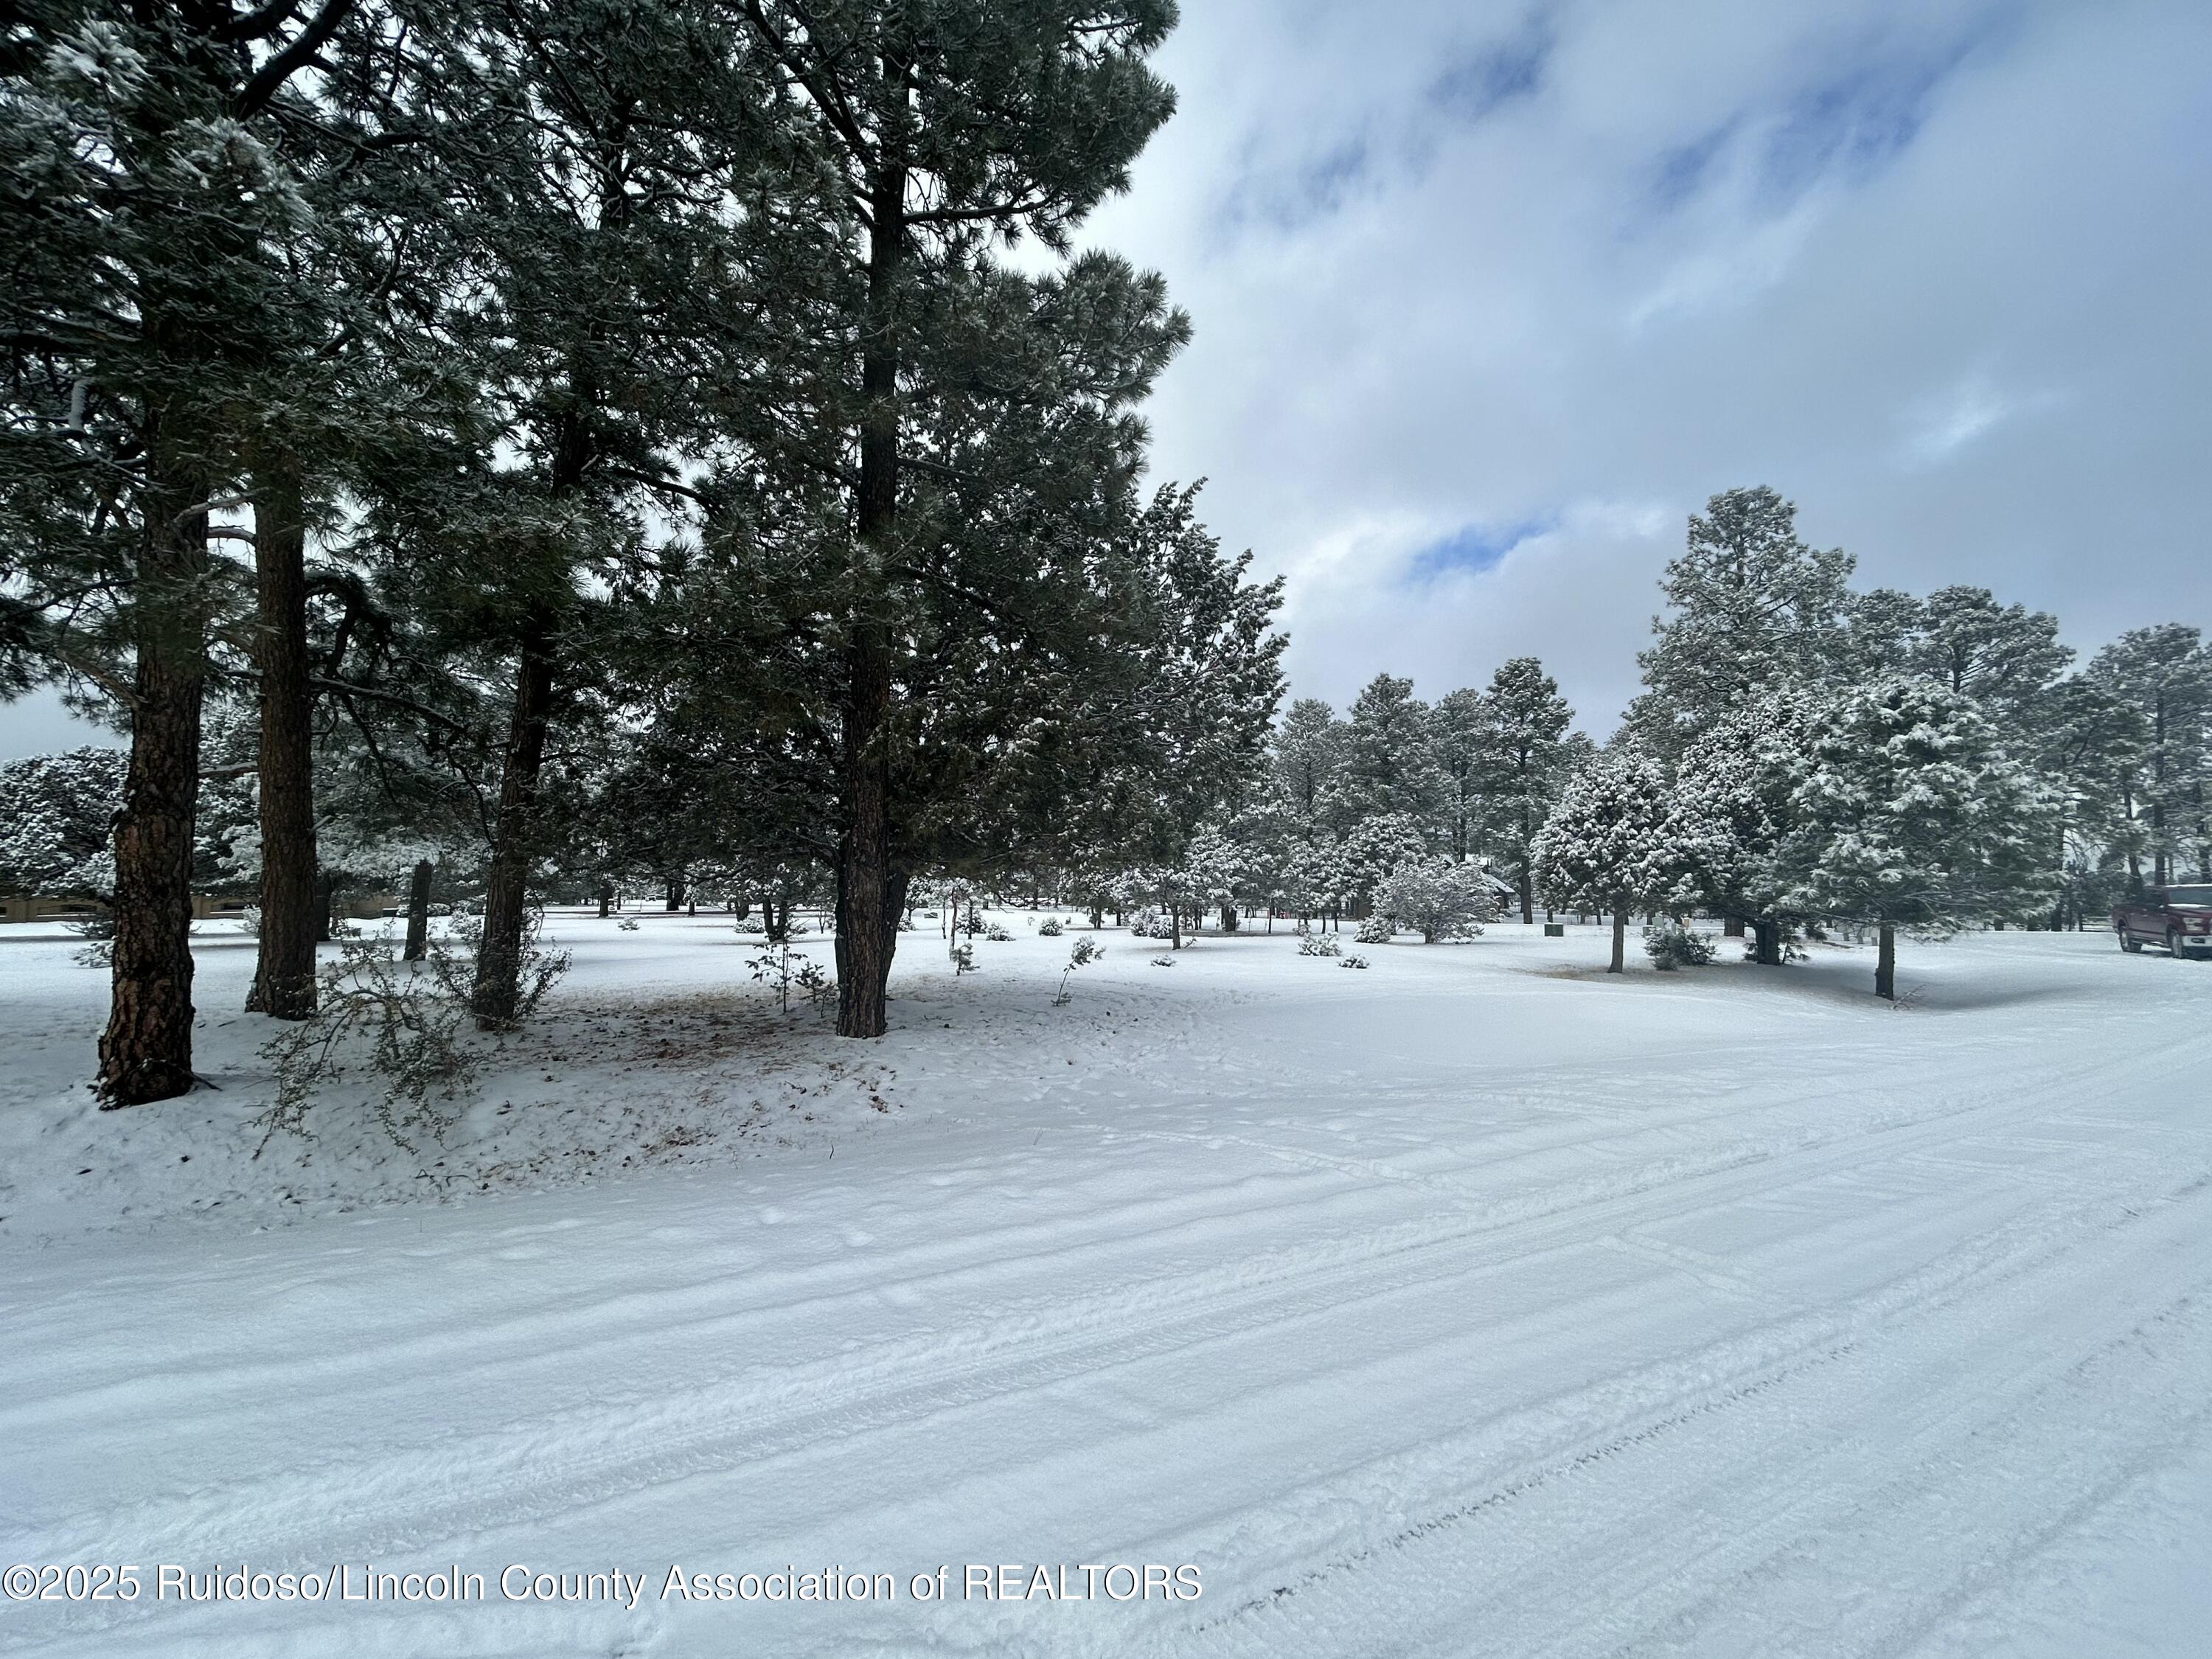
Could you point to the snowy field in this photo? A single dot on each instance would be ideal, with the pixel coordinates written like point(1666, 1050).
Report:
point(1474, 1304)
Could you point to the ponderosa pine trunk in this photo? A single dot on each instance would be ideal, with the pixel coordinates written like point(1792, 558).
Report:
point(418, 912)
point(606, 899)
point(284, 966)
point(497, 996)
point(1620, 964)
point(1885, 964)
point(1527, 895)
point(1766, 941)
point(864, 877)
point(146, 1050)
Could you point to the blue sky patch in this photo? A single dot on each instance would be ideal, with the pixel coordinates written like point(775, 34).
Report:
point(1473, 548)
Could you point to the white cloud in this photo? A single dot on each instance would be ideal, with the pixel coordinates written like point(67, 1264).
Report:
point(1931, 267)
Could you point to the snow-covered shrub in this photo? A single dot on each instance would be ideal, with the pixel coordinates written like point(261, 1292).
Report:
point(1375, 930)
point(752, 926)
point(998, 935)
point(1439, 898)
point(1148, 923)
point(1162, 962)
point(964, 959)
point(1320, 944)
point(97, 930)
point(1671, 945)
point(1353, 961)
point(629, 925)
point(1049, 927)
point(249, 921)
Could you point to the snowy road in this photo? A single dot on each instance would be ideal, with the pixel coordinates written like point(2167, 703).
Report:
point(1467, 1305)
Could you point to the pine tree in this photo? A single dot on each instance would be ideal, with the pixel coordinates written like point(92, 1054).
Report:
point(57, 820)
point(1913, 816)
point(1614, 842)
point(1438, 897)
point(1520, 766)
point(941, 129)
point(1389, 763)
point(1754, 608)
point(1737, 784)
point(151, 155)
point(2166, 674)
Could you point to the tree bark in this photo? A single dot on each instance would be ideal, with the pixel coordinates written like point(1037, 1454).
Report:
point(1731, 927)
point(864, 874)
point(146, 1051)
point(1619, 941)
point(1885, 964)
point(606, 899)
point(284, 967)
point(496, 995)
point(418, 912)
point(1766, 939)
point(1527, 895)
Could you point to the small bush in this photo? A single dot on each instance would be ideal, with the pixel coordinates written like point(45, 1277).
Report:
point(1375, 930)
point(1151, 923)
point(1354, 961)
point(1671, 945)
point(1162, 962)
point(1049, 927)
point(409, 1023)
point(629, 925)
point(1086, 951)
point(998, 935)
point(1320, 944)
point(98, 933)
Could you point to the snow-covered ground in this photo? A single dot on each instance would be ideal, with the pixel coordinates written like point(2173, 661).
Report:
point(1474, 1303)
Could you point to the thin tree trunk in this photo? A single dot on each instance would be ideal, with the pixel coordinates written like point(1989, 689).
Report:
point(1527, 895)
point(497, 993)
point(325, 903)
point(1885, 964)
point(607, 899)
point(1619, 963)
point(418, 912)
point(285, 968)
point(146, 1051)
point(864, 874)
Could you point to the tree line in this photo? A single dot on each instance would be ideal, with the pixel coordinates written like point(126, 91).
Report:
point(561, 434)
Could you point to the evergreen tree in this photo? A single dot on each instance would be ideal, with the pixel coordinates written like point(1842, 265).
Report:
point(2164, 673)
point(942, 129)
point(1459, 726)
point(1388, 765)
point(57, 820)
point(1737, 787)
point(1309, 758)
point(150, 160)
point(1519, 767)
point(1438, 897)
point(1614, 842)
point(1754, 608)
point(1912, 815)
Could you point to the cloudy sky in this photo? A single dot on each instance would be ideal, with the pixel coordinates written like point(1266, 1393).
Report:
point(1490, 296)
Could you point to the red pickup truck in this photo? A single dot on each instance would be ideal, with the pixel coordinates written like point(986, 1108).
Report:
point(2179, 918)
